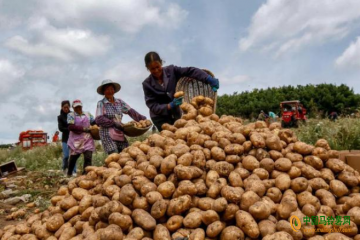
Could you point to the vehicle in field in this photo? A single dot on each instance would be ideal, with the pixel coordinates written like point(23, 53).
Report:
point(292, 112)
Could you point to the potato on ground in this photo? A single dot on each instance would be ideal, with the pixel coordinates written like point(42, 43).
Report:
point(247, 224)
point(143, 219)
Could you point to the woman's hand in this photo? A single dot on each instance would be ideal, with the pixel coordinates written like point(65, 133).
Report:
point(214, 83)
point(119, 125)
point(176, 102)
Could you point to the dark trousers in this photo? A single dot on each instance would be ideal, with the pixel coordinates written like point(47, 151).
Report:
point(160, 120)
point(74, 158)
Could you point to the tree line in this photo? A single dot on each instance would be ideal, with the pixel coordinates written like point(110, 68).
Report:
point(317, 99)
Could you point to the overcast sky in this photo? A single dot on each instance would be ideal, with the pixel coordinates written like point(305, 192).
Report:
point(62, 49)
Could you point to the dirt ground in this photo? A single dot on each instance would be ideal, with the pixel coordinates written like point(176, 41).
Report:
point(41, 185)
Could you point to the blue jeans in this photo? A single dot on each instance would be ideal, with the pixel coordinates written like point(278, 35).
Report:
point(66, 154)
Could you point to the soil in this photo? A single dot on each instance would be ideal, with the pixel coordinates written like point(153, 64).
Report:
point(41, 185)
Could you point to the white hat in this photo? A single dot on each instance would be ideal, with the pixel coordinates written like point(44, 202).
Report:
point(76, 103)
point(116, 85)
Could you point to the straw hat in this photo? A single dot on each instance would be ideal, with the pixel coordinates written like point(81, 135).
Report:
point(100, 89)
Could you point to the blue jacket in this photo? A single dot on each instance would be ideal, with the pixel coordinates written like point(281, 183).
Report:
point(157, 97)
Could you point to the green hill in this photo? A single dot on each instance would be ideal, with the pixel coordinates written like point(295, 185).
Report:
point(318, 99)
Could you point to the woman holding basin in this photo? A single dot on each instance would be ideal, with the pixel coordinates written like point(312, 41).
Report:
point(109, 113)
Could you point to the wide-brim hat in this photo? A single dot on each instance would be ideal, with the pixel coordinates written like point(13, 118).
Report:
point(100, 89)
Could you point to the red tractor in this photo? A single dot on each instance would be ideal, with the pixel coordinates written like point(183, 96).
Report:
point(32, 138)
point(292, 112)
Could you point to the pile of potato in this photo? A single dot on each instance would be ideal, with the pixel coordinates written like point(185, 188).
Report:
point(140, 124)
point(205, 177)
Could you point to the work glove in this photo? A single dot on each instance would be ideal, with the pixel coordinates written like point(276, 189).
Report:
point(176, 102)
point(214, 83)
point(119, 126)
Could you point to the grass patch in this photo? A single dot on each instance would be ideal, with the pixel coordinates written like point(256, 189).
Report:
point(343, 134)
point(50, 156)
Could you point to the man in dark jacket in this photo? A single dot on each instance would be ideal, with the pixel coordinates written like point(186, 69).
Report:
point(63, 127)
point(159, 88)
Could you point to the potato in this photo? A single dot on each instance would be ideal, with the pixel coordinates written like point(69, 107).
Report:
point(68, 202)
point(127, 194)
point(143, 219)
point(299, 184)
point(161, 233)
point(192, 220)
point(214, 229)
point(287, 205)
point(247, 224)
point(335, 165)
point(318, 183)
point(273, 142)
point(274, 155)
point(266, 227)
point(257, 140)
point(232, 232)
point(306, 197)
point(248, 199)
point(279, 236)
point(179, 205)
point(22, 228)
point(174, 223)
point(256, 186)
point(338, 188)
point(303, 148)
point(219, 205)
point(309, 210)
point(27, 237)
point(159, 208)
point(168, 164)
point(223, 168)
point(166, 189)
point(348, 178)
point(322, 153)
point(232, 194)
point(268, 164)
point(250, 163)
point(326, 198)
point(136, 233)
point(283, 164)
point(55, 222)
point(294, 157)
point(283, 182)
point(260, 210)
point(283, 225)
point(335, 236)
point(235, 179)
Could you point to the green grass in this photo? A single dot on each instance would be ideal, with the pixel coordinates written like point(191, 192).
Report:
point(50, 156)
point(343, 134)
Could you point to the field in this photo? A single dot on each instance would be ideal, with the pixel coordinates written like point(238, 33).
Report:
point(42, 175)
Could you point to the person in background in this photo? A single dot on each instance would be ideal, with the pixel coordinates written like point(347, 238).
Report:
point(272, 117)
point(55, 137)
point(262, 116)
point(160, 86)
point(109, 113)
point(80, 140)
point(333, 116)
point(64, 129)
